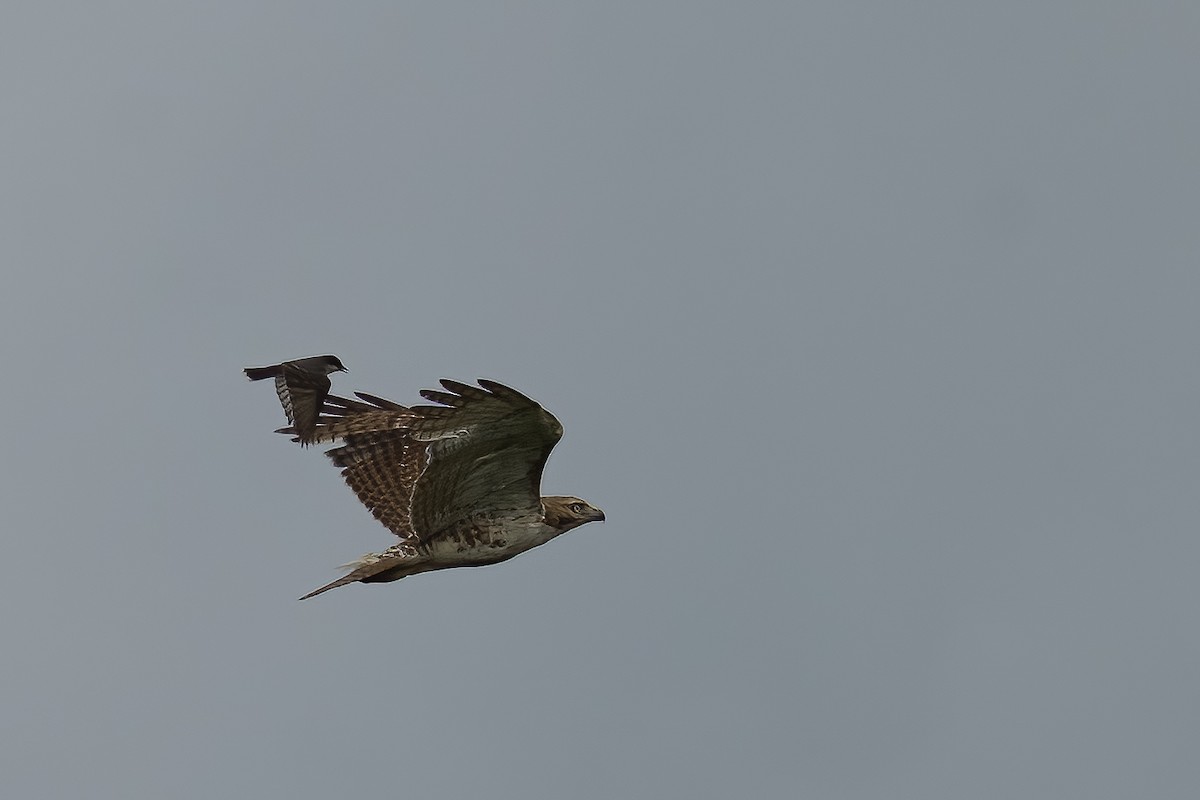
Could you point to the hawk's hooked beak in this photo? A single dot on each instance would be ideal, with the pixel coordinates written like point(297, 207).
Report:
point(598, 516)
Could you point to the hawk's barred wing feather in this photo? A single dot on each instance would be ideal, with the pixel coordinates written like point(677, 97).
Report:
point(379, 402)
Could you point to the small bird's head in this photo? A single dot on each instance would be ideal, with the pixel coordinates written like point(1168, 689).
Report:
point(566, 513)
point(327, 365)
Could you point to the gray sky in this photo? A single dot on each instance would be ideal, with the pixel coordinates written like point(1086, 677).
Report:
point(872, 326)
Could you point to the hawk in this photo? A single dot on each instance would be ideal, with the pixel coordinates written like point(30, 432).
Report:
point(302, 386)
point(459, 482)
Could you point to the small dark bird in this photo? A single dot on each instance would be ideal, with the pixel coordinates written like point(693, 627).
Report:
point(302, 386)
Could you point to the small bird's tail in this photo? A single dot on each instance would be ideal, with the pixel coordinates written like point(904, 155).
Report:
point(258, 373)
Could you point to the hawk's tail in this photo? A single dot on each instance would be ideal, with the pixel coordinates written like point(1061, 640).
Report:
point(371, 568)
point(351, 578)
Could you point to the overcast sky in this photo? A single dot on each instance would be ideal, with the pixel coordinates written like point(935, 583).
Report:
point(872, 327)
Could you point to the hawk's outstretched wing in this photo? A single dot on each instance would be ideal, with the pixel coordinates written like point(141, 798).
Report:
point(477, 455)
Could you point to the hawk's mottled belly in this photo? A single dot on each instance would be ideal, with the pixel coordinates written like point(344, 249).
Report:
point(485, 542)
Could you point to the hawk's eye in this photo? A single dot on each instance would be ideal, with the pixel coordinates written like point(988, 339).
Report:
point(577, 508)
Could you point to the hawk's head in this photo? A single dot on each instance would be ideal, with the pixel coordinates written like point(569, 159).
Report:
point(565, 513)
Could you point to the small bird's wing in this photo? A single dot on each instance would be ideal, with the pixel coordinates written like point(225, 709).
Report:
point(302, 394)
point(479, 454)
